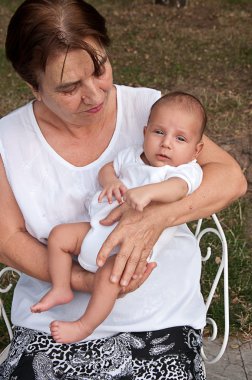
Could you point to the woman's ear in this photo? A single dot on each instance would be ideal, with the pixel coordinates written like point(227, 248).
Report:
point(34, 91)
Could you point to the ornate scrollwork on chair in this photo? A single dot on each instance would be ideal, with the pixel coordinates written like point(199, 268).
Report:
point(222, 270)
point(3, 313)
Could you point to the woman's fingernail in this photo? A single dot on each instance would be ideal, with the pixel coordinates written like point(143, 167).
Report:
point(135, 276)
point(99, 263)
point(123, 283)
point(113, 278)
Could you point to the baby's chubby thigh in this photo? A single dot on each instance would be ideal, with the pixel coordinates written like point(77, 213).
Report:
point(96, 236)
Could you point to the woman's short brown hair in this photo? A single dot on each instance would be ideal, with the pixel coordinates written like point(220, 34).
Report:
point(41, 28)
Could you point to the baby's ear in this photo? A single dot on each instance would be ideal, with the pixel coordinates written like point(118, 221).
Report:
point(199, 147)
point(144, 131)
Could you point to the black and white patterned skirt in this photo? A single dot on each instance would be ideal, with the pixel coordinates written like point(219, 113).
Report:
point(169, 354)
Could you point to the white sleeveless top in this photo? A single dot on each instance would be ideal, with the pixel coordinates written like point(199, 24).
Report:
point(51, 191)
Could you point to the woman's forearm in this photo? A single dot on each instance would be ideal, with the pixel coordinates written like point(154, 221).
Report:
point(221, 186)
point(24, 253)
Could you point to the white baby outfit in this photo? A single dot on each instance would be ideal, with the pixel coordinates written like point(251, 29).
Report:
point(133, 172)
point(51, 191)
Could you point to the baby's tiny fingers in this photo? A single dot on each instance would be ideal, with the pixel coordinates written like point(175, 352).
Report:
point(118, 196)
point(101, 196)
point(123, 189)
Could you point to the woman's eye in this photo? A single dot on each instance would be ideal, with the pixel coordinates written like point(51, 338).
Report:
point(69, 91)
point(181, 138)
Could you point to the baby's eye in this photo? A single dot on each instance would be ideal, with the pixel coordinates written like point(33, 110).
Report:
point(181, 138)
point(158, 132)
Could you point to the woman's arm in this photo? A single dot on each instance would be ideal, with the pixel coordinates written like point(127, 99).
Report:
point(18, 248)
point(223, 182)
point(21, 251)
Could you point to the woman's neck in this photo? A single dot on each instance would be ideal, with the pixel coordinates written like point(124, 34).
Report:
point(78, 144)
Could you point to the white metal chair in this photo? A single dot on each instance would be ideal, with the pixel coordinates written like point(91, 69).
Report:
point(4, 353)
point(223, 269)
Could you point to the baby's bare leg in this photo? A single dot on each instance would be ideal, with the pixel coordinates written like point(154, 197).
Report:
point(100, 305)
point(64, 241)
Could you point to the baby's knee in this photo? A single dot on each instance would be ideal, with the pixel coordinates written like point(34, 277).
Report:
point(55, 233)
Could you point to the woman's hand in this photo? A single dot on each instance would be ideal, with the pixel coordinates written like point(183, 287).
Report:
point(135, 283)
point(86, 279)
point(136, 234)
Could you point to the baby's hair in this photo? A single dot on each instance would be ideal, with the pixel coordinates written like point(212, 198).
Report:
point(186, 102)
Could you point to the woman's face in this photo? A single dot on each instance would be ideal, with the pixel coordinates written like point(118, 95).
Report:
point(76, 96)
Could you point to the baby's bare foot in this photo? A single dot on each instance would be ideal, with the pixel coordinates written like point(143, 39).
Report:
point(52, 298)
point(69, 332)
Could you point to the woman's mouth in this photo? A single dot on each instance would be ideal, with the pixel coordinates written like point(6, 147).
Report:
point(95, 109)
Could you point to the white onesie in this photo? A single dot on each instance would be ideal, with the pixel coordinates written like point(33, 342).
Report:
point(133, 172)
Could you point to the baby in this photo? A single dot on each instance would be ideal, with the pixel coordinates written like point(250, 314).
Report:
point(164, 169)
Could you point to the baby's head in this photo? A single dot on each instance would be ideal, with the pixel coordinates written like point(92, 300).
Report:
point(173, 135)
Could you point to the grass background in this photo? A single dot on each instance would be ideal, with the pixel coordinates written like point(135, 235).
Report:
point(204, 48)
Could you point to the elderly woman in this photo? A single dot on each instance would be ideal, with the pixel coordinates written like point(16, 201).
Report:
point(51, 151)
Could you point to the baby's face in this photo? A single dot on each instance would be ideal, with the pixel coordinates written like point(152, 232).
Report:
point(172, 136)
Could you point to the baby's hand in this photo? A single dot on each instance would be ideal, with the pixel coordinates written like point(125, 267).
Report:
point(116, 189)
point(137, 198)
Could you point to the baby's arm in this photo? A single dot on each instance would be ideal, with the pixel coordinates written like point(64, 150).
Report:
point(167, 191)
point(112, 186)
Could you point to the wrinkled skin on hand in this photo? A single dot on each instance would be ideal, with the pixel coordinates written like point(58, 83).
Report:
point(136, 234)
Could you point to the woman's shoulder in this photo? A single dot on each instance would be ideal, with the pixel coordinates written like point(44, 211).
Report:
point(16, 126)
point(16, 115)
point(135, 102)
point(138, 91)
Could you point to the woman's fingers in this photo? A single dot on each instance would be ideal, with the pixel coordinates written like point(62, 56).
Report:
point(135, 265)
point(135, 235)
point(142, 263)
point(110, 243)
point(114, 216)
point(125, 264)
point(136, 283)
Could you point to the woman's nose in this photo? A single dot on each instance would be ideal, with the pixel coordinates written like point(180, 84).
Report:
point(90, 93)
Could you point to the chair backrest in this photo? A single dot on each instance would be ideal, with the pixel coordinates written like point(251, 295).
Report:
point(3, 313)
point(222, 270)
